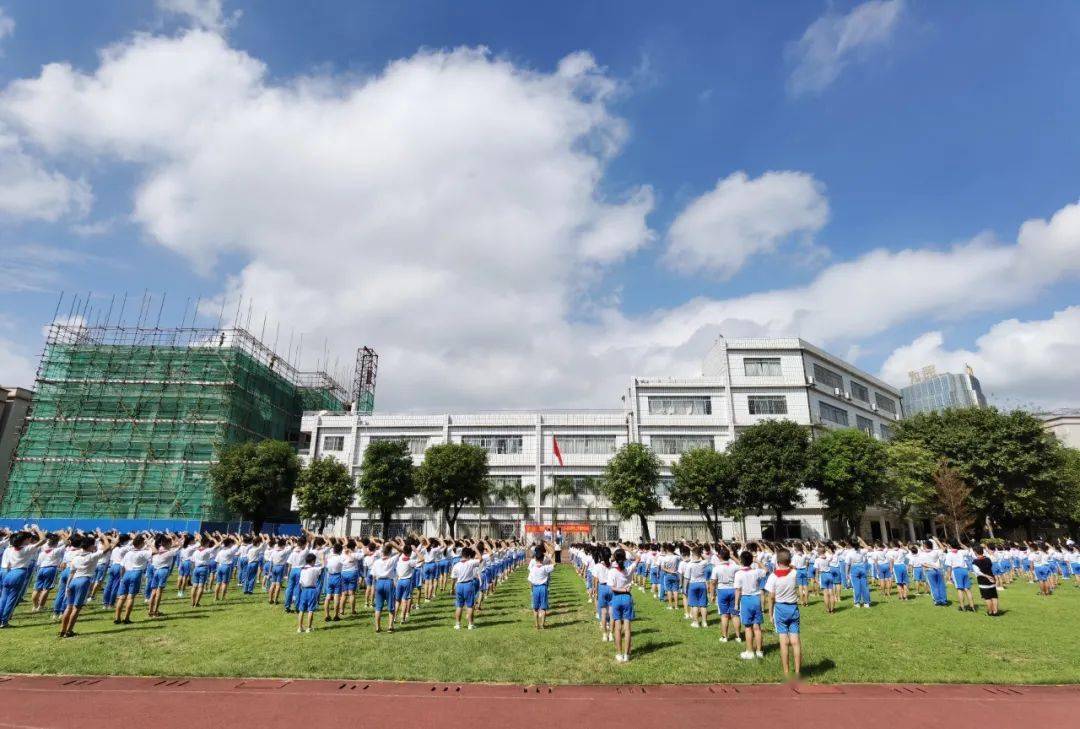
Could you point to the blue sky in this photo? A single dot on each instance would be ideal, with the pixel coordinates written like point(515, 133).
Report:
point(532, 224)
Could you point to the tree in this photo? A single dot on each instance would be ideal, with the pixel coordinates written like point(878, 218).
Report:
point(706, 480)
point(952, 497)
point(514, 492)
point(909, 477)
point(771, 459)
point(847, 468)
point(324, 490)
point(386, 479)
point(630, 481)
point(255, 479)
point(561, 486)
point(451, 476)
point(1008, 460)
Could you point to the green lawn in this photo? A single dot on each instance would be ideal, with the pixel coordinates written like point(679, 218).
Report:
point(1036, 641)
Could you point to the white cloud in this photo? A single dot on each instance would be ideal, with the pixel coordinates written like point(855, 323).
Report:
point(208, 14)
point(447, 210)
point(29, 191)
point(1018, 363)
point(17, 366)
point(7, 25)
point(832, 41)
point(741, 217)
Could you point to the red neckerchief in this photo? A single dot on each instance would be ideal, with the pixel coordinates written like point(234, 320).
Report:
point(781, 572)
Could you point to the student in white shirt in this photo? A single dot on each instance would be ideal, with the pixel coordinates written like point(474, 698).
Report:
point(405, 570)
point(383, 568)
point(310, 574)
point(226, 556)
point(83, 558)
point(466, 577)
point(134, 567)
point(697, 589)
point(724, 569)
point(540, 569)
point(49, 559)
point(201, 559)
point(15, 566)
point(748, 603)
point(165, 550)
point(782, 584)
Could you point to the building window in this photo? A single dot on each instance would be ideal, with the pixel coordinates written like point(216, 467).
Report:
point(762, 366)
point(866, 425)
point(680, 406)
point(592, 445)
point(884, 403)
point(886, 431)
point(767, 404)
point(860, 391)
point(833, 414)
point(663, 486)
point(417, 445)
point(495, 444)
point(333, 443)
point(827, 377)
point(673, 445)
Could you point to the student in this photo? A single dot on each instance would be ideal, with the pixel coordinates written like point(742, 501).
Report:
point(49, 559)
point(697, 590)
point(858, 574)
point(15, 565)
point(984, 575)
point(956, 559)
point(296, 560)
point(748, 603)
point(800, 560)
point(466, 577)
point(249, 572)
point(350, 577)
point(383, 568)
point(184, 573)
point(86, 553)
point(931, 557)
point(133, 567)
point(226, 555)
point(165, 551)
point(540, 569)
point(405, 571)
point(201, 559)
point(116, 570)
point(899, 558)
point(782, 584)
point(724, 569)
point(620, 580)
point(604, 594)
point(333, 582)
point(825, 579)
point(669, 569)
point(308, 588)
point(277, 557)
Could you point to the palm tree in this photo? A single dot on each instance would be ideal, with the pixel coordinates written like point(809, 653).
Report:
point(515, 493)
point(561, 486)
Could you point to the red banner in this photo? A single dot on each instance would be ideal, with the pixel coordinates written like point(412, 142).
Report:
point(564, 527)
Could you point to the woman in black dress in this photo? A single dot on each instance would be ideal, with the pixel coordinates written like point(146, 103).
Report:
point(984, 574)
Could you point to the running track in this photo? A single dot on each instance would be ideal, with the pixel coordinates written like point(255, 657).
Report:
point(33, 702)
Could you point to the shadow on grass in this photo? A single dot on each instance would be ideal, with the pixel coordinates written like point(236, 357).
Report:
point(644, 650)
point(818, 667)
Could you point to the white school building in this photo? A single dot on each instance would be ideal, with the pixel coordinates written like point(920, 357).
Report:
point(743, 382)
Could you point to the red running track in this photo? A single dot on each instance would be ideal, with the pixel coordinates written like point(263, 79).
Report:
point(87, 703)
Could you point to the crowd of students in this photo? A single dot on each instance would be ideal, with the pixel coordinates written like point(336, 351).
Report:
point(748, 583)
point(762, 581)
point(305, 573)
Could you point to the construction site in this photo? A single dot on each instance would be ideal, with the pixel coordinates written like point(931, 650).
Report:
point(126, 420)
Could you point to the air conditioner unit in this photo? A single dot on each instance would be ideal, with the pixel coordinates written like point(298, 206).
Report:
point(836, 391)
point(847, 395)
point(810, 380)
point(874, 408)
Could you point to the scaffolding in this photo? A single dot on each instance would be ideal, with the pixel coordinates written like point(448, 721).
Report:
point(363, 388)
point(126, 421)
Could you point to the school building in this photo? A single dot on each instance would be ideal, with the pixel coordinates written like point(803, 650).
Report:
point(742, 382)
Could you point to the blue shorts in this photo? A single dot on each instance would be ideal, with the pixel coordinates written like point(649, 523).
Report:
point(725, 600)
point(786, 617)
point(750, 610)
point(333, 584)
point(77, 592)
point(920, 574)
point(224, 573)
point(622, 606)
point(900, 574)
point(465, 594)
point(349, 581)
point(384, 594)
point(802, 577)
point(309, 599)
point(429, 571)
point(671, 582)
point(881, 571)
point(158, 578)
point(603, 597)
point(961, 578)
point(540, 597)
point(826, 580)
point(697, 595)
point(185, 568)
point(1042, 572)
point(130, 583)
point(404, 589)
point(99, 571)
point(277, 573)
point(199, 574)
point(369, 579)
point(46, 578)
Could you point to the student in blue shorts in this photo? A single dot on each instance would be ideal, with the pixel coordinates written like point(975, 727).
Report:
point(466, 576)
point(783, 586)
point(309, 593)
point(540, 569)
point(748, 603)
point(620, 580)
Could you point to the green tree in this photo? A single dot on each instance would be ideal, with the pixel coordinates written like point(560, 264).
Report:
point(324, 490)
point(630, 481)
point(847, 468)
point(386, 479)
point(771, 459)
point(952, 497)
point(451, 476)
point(562, 486)
point(1010, 463)
point(909, 476)
point(255, 479)
point(706, 480)
point(516, 493)
point(1069, 478)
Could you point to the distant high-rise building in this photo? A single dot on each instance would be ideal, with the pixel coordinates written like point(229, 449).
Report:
point(931, 391)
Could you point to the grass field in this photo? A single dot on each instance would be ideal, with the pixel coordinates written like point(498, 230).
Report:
point(1036, 641)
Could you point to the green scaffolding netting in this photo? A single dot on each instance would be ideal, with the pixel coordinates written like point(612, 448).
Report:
point(128, 431)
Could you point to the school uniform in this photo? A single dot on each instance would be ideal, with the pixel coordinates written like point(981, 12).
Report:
point(382, 572)
point(747, 582)
point(724, 574)
point(350, 571)
point(539, 576)
point(296, 559)
point(308, 588)
point(957, 561)
point(201, 559)
point(859, 576)
point(225, 558)
point(249, 573)
point(783, 586)
point(134, 565)
point(622, 602)
point(114, 574)
point(603, 590)
point(669, 566)
point(697, 588)
point(15, 564)
point(466, 576)
point(48, 565)
point(900, 558)
point(160, 566)
point(83, 565)
point(930, 559)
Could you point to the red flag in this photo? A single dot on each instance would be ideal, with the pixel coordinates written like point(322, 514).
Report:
point(555, 447)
